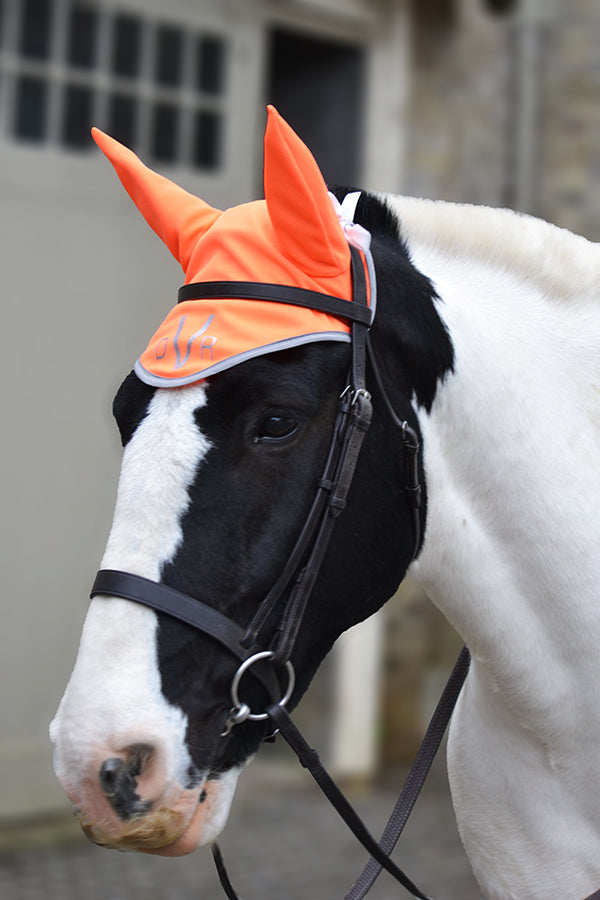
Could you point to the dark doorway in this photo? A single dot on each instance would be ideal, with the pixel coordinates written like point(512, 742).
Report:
point(318, 86)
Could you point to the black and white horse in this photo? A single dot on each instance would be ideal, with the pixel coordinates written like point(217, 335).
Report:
point(487, 337)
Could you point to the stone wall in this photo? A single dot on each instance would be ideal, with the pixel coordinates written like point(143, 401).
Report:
point(496, 98)
point(504, 111)
point(569, 191)
point(456, 140)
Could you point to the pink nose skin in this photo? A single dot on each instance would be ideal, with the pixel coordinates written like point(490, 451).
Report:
point(127, 801)
point(139, 793)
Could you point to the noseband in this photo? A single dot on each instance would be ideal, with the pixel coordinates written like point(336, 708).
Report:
point(265, 645)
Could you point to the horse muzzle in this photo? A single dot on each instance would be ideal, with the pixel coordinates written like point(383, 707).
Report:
point(168, 831)
point(124, 802)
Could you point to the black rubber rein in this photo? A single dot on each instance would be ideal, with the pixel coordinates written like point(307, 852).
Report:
point(309, 758)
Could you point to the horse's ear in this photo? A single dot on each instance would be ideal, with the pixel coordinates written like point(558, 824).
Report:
point(300, 208)
point(177, 217)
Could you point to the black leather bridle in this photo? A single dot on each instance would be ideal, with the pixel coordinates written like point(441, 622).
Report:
point(275, 624)
point(264, 647)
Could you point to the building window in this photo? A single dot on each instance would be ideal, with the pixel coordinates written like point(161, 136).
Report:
point(169, 54)
point(207, 140)
point(210, 65)
point(35, 28)
point(122, 118)
point(156, 86)
point(164, 132)
point(30, 109)
point(501, 7)
point(77, 112)
point(82, 46)
point(126, 46)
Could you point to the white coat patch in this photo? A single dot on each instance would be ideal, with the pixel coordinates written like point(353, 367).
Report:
point(114, 696)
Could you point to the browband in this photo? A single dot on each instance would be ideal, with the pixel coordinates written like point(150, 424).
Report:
point(277, 293)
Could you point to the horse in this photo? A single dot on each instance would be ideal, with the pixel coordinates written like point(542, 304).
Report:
point(483, 342)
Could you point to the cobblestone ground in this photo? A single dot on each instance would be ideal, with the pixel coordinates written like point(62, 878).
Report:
point(283, 842)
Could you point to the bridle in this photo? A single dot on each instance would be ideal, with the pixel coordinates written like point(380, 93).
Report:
point(265, 645)
point(275, 624)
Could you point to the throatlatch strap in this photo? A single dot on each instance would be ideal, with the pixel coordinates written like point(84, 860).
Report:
point(410, 439)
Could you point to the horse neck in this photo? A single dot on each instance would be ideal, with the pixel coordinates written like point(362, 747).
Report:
point(512, 558)
point(512, 550)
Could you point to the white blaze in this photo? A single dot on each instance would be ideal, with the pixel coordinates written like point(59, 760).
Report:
point(159, 464)
point(114, 696)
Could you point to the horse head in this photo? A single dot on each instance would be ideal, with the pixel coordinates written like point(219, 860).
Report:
point(227, 424)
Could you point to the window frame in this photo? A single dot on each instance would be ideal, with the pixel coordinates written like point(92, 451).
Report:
point(65, 78)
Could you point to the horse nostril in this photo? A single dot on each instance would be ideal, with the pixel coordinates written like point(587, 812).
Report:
point(118, 781)
point(139, 756)
point(110, 772)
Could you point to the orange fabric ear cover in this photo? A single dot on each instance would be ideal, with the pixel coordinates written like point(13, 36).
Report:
point(293, 237)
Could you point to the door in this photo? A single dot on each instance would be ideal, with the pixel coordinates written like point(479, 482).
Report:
point(318, 86)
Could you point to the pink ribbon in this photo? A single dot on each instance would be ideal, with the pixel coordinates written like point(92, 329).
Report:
point(355, 234)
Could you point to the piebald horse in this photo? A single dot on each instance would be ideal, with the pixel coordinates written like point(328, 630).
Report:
point(486, 333)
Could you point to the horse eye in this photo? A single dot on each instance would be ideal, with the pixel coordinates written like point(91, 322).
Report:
point(275, 428)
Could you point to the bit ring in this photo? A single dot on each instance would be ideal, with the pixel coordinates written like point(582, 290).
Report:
point(264, 654)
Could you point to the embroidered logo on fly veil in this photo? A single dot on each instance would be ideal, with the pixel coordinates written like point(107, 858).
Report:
point(206, 344)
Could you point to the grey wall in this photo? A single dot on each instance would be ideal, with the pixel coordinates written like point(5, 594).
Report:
point(83, 284)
